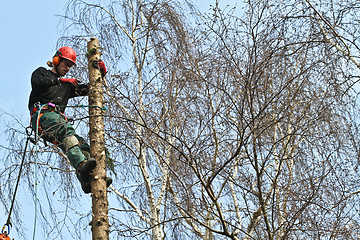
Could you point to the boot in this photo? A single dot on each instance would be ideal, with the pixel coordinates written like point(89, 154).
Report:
point(86, 186)
point(83, 172)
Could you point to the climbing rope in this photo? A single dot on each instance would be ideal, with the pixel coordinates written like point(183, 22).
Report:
point(36, 163)
point(83, 106)
point(8, 221)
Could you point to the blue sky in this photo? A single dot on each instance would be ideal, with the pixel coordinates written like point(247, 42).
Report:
point(29, 36)
point(28, 40)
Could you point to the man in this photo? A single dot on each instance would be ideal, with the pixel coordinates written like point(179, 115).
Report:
point(47, 102)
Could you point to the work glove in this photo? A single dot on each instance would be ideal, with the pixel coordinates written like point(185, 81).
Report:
point(101, 65)
point(73, 81)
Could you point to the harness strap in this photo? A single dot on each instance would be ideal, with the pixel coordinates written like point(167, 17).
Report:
point(46, 106)
point(43, 108)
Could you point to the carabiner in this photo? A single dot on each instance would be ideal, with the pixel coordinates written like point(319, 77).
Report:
point(8, 231)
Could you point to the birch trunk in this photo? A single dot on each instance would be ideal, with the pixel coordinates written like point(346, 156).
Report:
point(100, 221)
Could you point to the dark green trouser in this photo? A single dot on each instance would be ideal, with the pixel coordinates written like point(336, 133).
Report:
point(54, 128)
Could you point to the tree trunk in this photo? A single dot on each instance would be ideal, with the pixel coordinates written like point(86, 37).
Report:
point(100, 221)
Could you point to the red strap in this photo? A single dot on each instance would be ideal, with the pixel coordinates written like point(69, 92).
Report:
point(35, 109)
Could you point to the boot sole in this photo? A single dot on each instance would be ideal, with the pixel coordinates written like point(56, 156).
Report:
point(87, 169)
point(87, 186)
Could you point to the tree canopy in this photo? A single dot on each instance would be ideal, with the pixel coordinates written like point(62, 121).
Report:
point(237, 123)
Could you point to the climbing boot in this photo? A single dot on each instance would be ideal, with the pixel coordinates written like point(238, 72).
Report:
point(83, 171)
point(86, 186)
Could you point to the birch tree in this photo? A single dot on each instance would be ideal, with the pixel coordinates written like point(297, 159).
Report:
point(235, 126)
point(232, 124)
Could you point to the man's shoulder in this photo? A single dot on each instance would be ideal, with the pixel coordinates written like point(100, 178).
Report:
point(41, 69)
point(43, 72)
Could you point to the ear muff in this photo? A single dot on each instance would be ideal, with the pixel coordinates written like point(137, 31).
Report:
point(56, 60)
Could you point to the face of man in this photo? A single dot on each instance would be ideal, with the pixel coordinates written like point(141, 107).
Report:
point(64, 67)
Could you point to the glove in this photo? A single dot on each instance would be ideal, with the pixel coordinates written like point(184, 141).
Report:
point(101, 65)
point(73, 81)
point(102, 68)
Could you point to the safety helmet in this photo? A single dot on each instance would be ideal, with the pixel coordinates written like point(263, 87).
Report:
point(64, 53)
point(4, 236)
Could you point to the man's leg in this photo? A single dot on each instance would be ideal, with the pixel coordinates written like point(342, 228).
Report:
point(56, 129)
point(84, 146)
point(85, 149)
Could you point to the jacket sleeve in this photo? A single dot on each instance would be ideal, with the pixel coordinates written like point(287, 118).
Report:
point(41, 79)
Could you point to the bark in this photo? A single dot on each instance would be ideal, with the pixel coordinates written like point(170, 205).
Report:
point(100, 221)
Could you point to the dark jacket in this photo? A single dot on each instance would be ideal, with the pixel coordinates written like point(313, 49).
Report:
point(47, 88)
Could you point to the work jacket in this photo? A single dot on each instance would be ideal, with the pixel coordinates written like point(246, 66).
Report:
point(46, 88)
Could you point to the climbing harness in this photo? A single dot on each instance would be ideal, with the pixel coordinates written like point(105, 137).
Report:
point(52, 107)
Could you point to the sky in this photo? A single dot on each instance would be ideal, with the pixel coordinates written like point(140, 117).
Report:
point(28, 40)
point(29, 33)
point(29, 36)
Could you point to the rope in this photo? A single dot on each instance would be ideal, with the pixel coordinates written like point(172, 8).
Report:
point(36, 163)
point(83, 106)
point(8, 221)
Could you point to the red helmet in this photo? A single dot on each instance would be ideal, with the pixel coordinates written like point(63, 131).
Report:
point(65, 53)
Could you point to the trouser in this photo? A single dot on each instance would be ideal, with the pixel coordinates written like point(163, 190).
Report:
point(54, 128)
